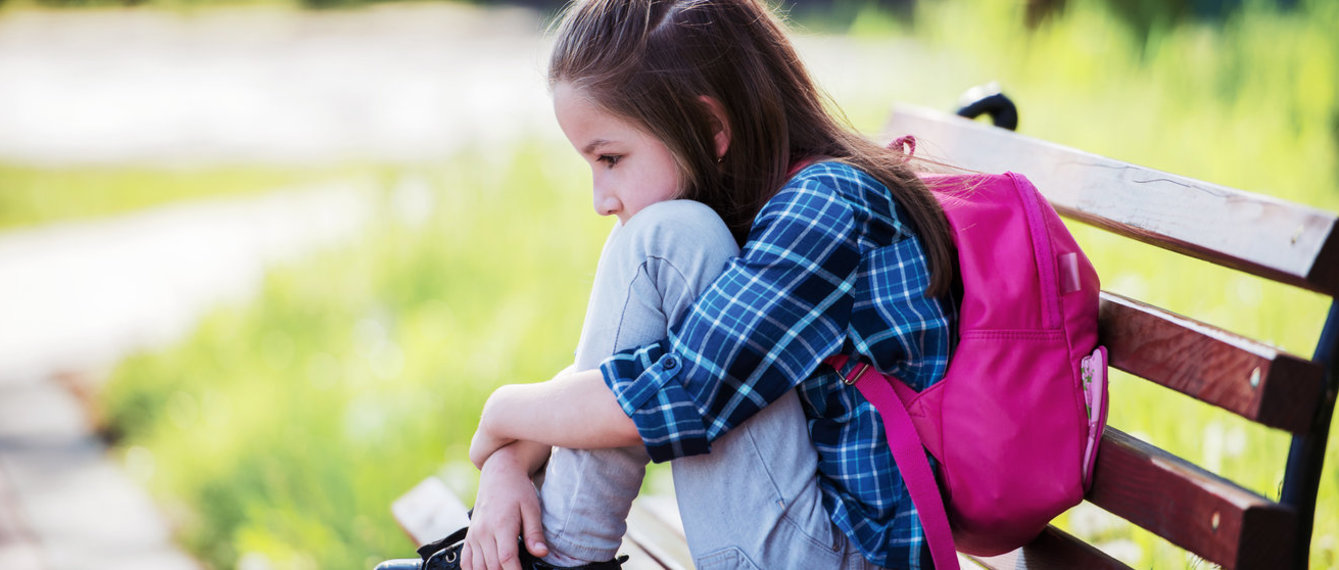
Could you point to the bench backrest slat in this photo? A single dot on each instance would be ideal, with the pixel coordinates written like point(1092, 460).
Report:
point(1248, 378)
point(1194, 509)
point(1288, 243)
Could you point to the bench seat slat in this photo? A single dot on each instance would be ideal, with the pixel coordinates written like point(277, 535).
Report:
point(641, 559)
point(1194, 509)
point(429, 511)
point(1287, 242)
point(653, 525)
point(1246, 377)
point(1054, 549)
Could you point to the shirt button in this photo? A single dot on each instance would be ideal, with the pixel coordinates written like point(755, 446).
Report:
point(669, 362)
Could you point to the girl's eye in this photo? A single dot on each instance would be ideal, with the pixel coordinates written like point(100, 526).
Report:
point(609, 159)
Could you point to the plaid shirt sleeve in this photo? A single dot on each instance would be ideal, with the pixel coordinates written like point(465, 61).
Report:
point(762, 327)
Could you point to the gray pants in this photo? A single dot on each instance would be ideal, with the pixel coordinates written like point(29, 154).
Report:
point(754, 501)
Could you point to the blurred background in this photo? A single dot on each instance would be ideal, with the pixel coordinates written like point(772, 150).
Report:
point(262, 261)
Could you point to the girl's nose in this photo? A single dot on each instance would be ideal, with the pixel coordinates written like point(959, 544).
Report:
point(606, 204)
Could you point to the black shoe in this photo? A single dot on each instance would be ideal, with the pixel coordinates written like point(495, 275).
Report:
point(444, 554)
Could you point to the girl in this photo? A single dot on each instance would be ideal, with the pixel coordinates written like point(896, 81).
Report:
point(777, 463)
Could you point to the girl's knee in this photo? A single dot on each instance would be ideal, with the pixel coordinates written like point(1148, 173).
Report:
point(678, 229)
point(669, 253)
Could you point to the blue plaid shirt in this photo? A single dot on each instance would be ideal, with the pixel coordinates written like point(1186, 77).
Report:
point(828, 268)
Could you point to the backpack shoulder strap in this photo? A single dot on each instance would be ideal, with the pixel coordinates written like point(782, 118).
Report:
point(911, 461)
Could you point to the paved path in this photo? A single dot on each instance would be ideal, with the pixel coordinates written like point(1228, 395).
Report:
point(66, 505)
point(75, 299)
point(78, 297)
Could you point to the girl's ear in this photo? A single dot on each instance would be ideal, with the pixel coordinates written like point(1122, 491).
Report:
point(720, 124)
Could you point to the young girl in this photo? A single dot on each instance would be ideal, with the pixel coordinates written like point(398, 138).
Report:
point(718, 353)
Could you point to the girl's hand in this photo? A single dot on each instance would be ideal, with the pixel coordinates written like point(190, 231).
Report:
point(507, 506)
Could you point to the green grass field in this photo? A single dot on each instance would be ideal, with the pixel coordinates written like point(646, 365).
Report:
point(360, 371)
point(34, 195)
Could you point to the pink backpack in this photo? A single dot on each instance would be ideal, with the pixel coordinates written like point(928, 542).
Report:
point(1016, 421)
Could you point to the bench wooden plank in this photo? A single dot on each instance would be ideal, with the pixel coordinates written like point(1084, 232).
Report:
point(654, 525)
point(639, 558)
point(429, 511)
point(1249, 378)
point(1194, 509)
point(1287, 242)
point(1053, 550)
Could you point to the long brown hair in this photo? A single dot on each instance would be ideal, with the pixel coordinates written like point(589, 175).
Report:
point(651, 61)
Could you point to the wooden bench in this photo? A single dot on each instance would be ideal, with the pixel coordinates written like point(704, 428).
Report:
point(1207, 515)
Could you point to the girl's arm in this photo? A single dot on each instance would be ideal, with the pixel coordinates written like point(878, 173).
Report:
point(528, 457)
point(574, 410)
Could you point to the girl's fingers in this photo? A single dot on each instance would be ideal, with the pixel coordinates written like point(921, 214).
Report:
point(508, 557)
point(532, 529)
point(465, 552)
point(490, 557)
point(478, 562)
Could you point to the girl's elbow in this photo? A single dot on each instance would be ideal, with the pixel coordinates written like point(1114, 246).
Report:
point(493, 417)
point(628, 435)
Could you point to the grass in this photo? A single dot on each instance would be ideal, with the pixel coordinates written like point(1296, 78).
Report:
point(361, 370)
point(33, 195)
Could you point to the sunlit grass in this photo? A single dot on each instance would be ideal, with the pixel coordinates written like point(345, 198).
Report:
point(281, 431)
point(34, 195)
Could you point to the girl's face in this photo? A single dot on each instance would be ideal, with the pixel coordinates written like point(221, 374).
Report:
point(631, 169)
